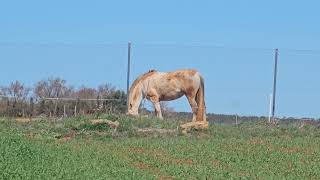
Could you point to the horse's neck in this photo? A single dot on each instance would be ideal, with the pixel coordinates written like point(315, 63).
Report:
point(144, 86)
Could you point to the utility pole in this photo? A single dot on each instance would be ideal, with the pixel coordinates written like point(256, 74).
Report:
point(270, 108)
point(274, 82)
point(128, 73)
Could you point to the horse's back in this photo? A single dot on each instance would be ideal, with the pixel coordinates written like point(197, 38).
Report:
point(179, 82)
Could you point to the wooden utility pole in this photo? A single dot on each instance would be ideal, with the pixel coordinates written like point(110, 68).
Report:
point(128, 73)
point(274, 83)
point(270, 108)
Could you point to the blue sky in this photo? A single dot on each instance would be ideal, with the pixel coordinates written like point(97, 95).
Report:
point(230, 42)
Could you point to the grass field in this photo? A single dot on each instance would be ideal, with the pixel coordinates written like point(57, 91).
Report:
point(75, 149)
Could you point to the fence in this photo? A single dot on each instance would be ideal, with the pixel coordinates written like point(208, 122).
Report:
point(237, 80)
point(60, 107)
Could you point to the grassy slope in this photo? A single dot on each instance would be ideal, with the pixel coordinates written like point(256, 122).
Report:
point(51, 150)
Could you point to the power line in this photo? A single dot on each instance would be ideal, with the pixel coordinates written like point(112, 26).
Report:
point(199, 45)
point(60, 44)
point(169, 45)
point(300, 51)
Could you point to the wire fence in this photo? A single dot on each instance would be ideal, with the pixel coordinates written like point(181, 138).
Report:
point(237, 80)
point(58, 107)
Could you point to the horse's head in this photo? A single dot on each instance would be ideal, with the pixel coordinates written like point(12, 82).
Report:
point(137, 91)
point(133, 108)
point(135, 98)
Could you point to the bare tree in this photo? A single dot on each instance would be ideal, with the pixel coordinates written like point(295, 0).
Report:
point(19, 93)
point(51, 88)
point(106, 90)
point(87, 93)
point(2, 91)
point(47, 99)
point(3, 101)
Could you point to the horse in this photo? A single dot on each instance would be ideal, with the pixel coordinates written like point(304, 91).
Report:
point(166, 86)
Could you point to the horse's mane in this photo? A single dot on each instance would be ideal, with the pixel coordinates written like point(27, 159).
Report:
point(142, 77)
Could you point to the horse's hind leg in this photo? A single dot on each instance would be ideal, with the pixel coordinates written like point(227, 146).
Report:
point(194, 107)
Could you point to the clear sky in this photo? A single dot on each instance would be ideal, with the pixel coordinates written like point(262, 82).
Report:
point(230, 42)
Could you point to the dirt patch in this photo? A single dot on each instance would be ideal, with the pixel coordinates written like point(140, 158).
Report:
point(293, 150)
point(184, 148)
point(138, 150)
point(184, 161)
point(148, 167)
point(257, 141)
point(23, 120)
point(67, 137)
point(162, 156)
point(138, 164)
point(151, 169)
point(141, 165)
point(155, 153)
point(244, 174)
point(290, 166)
point(166, 178)
point(30, 135)
point(216, 163)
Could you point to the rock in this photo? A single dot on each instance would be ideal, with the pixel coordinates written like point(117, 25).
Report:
point(195, 125)
point(156, 130)
point(111, 124)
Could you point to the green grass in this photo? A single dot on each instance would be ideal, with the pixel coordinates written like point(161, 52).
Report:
point(75, 149)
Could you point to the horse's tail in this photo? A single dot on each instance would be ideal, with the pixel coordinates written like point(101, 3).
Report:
point(201, 113)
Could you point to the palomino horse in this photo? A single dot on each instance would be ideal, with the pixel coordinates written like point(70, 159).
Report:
point(160, 86)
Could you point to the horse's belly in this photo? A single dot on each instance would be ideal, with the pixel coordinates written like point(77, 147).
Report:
point(169, 89)
point(171, 95)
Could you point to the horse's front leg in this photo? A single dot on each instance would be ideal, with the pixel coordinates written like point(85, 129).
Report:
point(157, 107)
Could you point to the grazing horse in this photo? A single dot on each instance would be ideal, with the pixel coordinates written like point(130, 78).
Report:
point(166, 86)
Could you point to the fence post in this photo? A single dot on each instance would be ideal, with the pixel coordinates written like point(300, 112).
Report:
point(64, 111)
point(75, 110)
point(77, 106)
point(236, 119)
point(8, 106)
point(98, 102)
point(14, 111)
point(31, 108)
point(55, 108)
